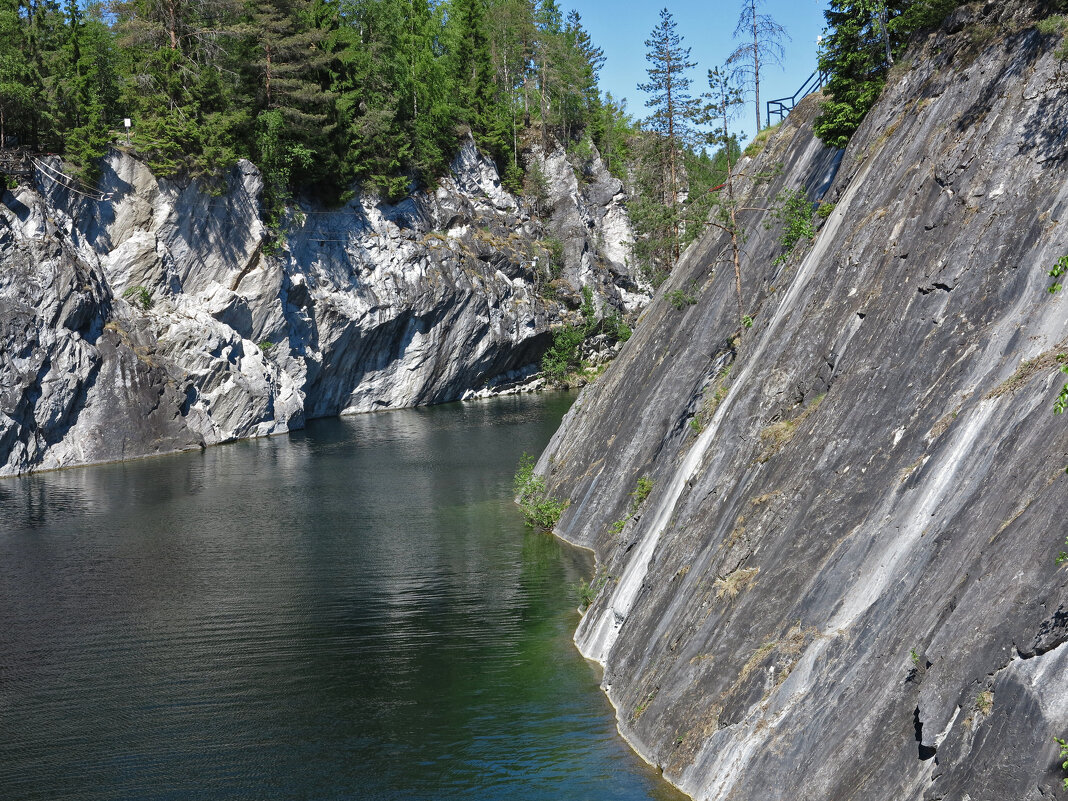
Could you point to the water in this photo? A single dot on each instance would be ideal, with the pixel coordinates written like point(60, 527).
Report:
point(352, 612)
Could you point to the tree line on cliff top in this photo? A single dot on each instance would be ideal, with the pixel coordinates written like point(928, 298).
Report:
point(318, 93)
point(322, 94)
point(862, 39)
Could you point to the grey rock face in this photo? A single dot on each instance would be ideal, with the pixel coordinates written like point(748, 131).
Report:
point(843, 584)
point(77, 383)
point(155, 320)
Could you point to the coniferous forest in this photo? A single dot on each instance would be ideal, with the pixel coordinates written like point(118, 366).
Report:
point(324, 95)
point(318, 93)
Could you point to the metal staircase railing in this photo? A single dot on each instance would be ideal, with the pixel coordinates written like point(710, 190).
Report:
point(784, 105)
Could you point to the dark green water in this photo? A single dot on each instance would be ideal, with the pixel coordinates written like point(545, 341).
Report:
point(352, 612)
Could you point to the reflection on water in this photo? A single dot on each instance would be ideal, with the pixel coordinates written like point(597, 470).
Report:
point(354, 611)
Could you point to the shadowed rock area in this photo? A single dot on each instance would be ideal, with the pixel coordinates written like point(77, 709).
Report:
point(843, 583)
point(164, 317)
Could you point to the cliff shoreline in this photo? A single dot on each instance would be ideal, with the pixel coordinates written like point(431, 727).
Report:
point(843, 584)
point(166, 317)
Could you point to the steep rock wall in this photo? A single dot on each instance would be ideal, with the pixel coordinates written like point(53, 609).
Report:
point(843, 583)
point(156, 320)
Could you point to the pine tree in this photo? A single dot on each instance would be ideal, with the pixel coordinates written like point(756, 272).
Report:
point(673, 108)
point(763, 45)
point(724, 99)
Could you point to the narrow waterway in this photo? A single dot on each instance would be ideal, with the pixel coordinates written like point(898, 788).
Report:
point(352, 612)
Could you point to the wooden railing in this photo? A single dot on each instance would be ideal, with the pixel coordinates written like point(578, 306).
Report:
point(15, 161)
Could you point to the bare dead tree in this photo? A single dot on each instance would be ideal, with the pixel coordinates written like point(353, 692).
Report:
point(763, 40)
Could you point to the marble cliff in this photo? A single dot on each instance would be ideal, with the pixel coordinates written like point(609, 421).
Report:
point(843, 584)
point(164, 317)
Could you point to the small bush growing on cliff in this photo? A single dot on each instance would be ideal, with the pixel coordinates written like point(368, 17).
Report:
point(1064, 755)
point(562, 358)
point(1059, 269)
point(588, 309)
point(536, 187)
point(641, 492)
point(139, 296)
point(642, 488)
point(760, 141)
point(1056, 25)
point(554, 250)
point(1059, 405)
point(586, 591)
point(615, 328)
point(680, 298)
point(1052, 25)
point(794, 211)
point(540, 510)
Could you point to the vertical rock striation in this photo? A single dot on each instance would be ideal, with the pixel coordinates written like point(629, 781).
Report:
point(843, 584)
point(157, 320)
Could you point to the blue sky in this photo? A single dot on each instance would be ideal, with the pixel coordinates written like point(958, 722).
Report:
point(621, 29)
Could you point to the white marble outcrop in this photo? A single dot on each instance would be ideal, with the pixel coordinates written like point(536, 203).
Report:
point(167, 317)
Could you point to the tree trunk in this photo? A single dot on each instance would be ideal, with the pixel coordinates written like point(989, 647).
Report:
point(544, 105)
point(735, 249)
point(672, 148)
point(172, 24)
point(883, 19)
point(756, 68)
point(267, 76)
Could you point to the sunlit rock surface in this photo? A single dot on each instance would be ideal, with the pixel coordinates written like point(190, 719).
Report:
point(163, 318)
point(843, 584)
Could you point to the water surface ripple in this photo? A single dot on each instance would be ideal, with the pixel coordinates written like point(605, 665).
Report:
point(351, 612)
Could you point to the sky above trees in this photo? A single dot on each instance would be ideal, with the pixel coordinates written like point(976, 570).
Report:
point(706, 25)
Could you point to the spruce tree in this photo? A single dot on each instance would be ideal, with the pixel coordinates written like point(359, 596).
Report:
point(177, 51)
point(582, 61)
point(548, 20)
point(16, 86)
point(371, 79)
point(854, 56)
point(479, 101)
point(86, 89)
point(293, 109)
point(864, 37)
point(673, 109)
point(514, 37)
point(432, 112)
